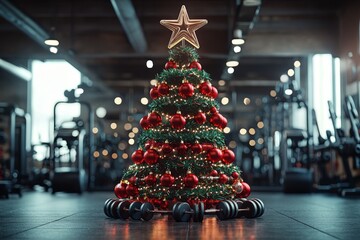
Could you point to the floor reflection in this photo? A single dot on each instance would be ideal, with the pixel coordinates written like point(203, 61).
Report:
point(166, 228)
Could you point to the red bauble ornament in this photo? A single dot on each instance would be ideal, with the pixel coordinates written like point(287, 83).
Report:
point(182, 148)
point(154, 93)
point(200, 117)
point(214, 92)
point(133, 180)
point(144, 123)
point(214, 155)
point(223, 178)
point(120, 191)
point(170, 64)
point(196, 148)
point(154, 119)
point(191, 180)
point(213, 110)
point(223, 122)
point(166, 149)
point(214, 173)
point(235, 175)
point(205, 88)
point(196, 65)
point(167, 180)
point(151, 156)
point(207, 146)
point(177, 121)
point(216, 120)
point(138, 156)
point(163, 89)
point(246, 190)
point(186, 90)
point(150, 179)
point(132, 190)
point(228, 156)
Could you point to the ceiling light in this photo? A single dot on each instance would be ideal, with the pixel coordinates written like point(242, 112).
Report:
point(149, 64)
point(232, 63)
point(230, 70)
point(297, 64)
point(238, 41)
point(51, 42)
point(224, 101)
point(144, 101)
point(53, 50)
point(221, 83)
point(237, 49)
point(100, 112)
point(252, 3)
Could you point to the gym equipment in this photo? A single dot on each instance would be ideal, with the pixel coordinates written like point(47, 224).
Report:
point(72, 150)
point(182, 211)
point(348, 147)
point(297, 176)
point(13, 145)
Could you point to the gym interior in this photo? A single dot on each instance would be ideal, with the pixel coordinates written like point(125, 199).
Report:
point(108, 130)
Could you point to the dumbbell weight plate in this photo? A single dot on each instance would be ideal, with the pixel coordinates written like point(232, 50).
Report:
point(252, 209)
point(231, 207)
point(236, 207)
point(180, 214)
point(224, 212)
point(261, 206)
point(106, 206)
point(146, 211)
point(196, 213)
point(112, 209)
point(201, 211)
point(122, 210)
point(258, 206)
point(134, 210)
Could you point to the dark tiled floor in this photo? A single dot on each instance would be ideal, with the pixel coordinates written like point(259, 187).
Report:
point(40, 215)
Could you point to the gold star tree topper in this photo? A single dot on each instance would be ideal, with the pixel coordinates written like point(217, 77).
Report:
point(183, 28)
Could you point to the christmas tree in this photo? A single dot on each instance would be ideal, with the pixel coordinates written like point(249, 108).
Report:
point(182, 156)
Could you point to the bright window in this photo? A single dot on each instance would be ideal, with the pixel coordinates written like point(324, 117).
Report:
point(50, 80)
point(326, 86)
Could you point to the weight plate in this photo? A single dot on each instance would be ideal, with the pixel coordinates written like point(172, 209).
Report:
point(181, 214)
point(108, 207)
point(201, 211)
point(105, 206)
point(224, 212)
point(134, 210)
point(252, 209)
point(146, 211)
point(236, 207)
point(113, 207)
point(262, 206)
point(123, 210)
point(231, 207)
point(174, 210)
point(196, 213)
point(258, 208)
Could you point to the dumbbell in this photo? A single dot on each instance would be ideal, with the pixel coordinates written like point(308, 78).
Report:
point(181, 211)
point(229, 209)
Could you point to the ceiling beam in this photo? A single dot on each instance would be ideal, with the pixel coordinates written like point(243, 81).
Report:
point(20, 72)
point(23, 22)
point(126, 14)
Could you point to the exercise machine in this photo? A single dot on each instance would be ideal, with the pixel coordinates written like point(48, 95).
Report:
point(72, 161)
point(13, 149)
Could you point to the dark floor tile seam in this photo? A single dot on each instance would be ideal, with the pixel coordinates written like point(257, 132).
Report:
point(41, 225)
point(308, 225)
